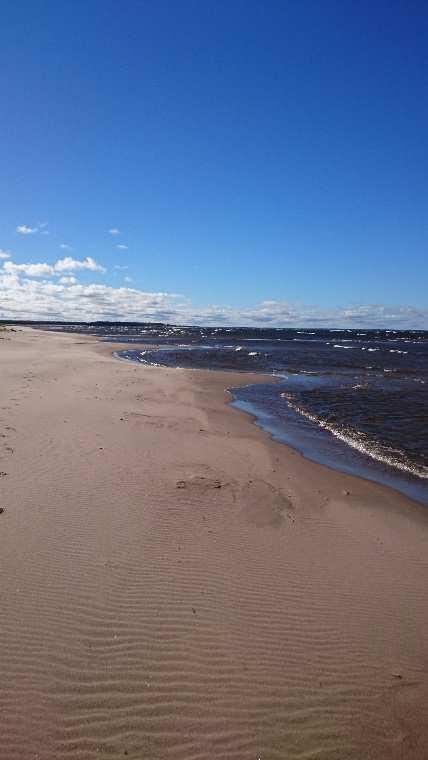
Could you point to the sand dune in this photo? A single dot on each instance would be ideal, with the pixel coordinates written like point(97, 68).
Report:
point(175, 585)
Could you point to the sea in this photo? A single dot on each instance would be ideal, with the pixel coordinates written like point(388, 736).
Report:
point(353, 399)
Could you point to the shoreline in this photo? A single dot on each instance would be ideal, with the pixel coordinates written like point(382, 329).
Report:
point(384, 474)
point(175, 584)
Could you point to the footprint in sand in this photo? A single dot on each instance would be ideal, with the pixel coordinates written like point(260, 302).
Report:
point(200, 482)
point(264, 504)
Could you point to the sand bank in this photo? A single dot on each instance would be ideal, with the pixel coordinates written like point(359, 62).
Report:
point(176, 585)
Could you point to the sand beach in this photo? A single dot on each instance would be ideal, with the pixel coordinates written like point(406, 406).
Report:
point(177, 586)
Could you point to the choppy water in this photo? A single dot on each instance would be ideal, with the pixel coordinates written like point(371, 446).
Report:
point(354, 399)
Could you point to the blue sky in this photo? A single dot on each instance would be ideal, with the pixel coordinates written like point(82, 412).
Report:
point(248, 152)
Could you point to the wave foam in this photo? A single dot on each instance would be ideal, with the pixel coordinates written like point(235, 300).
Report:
point(375, 451)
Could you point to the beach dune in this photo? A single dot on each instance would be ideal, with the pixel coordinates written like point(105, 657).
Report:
point(174, 584)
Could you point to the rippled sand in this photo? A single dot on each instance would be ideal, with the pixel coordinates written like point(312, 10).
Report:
point(175, 585)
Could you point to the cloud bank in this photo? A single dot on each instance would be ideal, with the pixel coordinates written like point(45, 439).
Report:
point(52, 292)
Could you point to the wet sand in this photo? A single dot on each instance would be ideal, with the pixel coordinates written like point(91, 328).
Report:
point(174, 584)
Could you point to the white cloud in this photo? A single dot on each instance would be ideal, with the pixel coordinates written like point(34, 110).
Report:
point(122, 247)
point(41, 227)
point(67, 280)
point(30, 270)
point(114, 231)
point(127, 279)
point(35, 299)
point(5, 254)
point(67, 264)
point(23, 297)
point(119, 266)
point(23, 229)
point(65, 247)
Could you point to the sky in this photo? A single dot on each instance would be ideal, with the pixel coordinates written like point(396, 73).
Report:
point(215, 162)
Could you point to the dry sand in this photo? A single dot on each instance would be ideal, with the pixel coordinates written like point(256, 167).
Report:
point(176, 585)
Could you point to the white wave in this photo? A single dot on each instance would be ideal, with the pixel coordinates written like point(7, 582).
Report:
point(349, 438)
